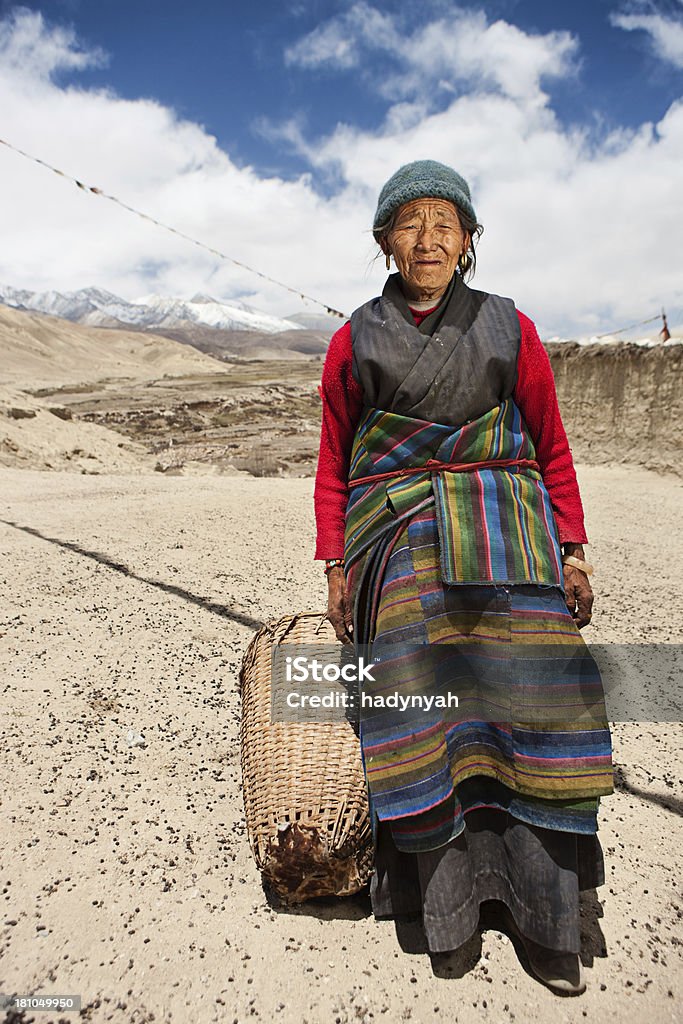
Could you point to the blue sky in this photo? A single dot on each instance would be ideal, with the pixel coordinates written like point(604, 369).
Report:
point(302, 109)
point(223, 64)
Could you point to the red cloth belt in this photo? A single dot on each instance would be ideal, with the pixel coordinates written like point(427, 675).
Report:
point(450, 467)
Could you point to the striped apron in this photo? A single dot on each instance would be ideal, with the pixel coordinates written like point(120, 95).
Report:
point(454, 568)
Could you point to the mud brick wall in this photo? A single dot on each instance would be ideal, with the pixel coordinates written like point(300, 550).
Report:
point(621, 403)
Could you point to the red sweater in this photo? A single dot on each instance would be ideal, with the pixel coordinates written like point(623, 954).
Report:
point(534, 395)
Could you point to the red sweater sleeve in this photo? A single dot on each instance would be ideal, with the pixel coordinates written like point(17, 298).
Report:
point(534, 394)
point(536, 398)
point(342, 404)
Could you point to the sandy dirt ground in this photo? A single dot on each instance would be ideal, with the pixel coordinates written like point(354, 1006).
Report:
point(127, 602)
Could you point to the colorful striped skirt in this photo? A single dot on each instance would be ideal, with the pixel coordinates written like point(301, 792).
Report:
point(530, 735)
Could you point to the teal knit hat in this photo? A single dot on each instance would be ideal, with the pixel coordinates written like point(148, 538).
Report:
point(421, 180)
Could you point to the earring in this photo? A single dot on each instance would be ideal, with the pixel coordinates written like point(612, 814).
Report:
point(463, 261)
point(388, 261)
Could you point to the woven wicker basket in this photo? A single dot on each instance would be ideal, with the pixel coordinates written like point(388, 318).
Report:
point(305, 796)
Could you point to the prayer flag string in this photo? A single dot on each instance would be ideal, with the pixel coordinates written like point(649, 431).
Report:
point(641, 323)
point(181, 234)
point(221, 255)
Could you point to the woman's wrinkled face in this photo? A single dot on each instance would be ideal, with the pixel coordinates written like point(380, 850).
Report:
point(426, 241)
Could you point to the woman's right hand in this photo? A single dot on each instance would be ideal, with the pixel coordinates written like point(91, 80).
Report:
point(339, 606)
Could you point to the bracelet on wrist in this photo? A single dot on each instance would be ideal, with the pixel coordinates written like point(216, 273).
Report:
point(333, 563)
point(578, 563)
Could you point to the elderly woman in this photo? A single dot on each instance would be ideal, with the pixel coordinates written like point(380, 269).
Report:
point(450, 522)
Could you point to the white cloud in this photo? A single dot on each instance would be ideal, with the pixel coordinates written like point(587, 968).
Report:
point(340, 42)
point(461, 49)
point(26, 47)
point(666, 34)
point(56, 236)
point(583, 235)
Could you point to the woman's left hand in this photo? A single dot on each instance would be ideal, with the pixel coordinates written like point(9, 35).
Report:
point(579, 595)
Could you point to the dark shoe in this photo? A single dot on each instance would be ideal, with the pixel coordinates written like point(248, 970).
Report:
point(561, 972)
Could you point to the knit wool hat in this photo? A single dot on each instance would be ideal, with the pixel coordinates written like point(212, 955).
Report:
point(421, 180)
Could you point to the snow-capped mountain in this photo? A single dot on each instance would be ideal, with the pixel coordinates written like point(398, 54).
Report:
point(317, 321)
point(100, 308)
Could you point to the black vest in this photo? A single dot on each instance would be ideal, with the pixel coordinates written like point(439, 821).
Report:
point(466, 367)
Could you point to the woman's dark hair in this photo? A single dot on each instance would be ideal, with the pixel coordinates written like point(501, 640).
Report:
point(475, 232)
point(466, 223)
